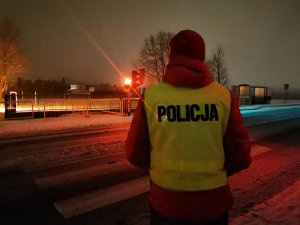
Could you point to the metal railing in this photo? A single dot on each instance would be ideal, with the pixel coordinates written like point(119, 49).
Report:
point(111, 105)
point(81, 107)
point(20, 107)
point(128, 105)
point(71, 107)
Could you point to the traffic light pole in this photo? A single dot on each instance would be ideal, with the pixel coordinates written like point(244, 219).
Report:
point(128, 103)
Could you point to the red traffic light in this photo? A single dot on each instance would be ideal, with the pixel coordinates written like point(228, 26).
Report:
point(137, 77)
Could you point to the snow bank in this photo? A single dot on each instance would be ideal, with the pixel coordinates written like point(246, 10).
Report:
point(282, 209)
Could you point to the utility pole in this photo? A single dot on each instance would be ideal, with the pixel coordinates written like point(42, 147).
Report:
point(286, 87)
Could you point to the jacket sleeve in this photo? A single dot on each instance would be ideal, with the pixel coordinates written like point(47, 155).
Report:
point(236, 141)
point(137, 145)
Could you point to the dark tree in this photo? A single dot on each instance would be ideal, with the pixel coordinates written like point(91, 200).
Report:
point(46, 87)
point(12, 59)
point(216, 65)
point(154, 55)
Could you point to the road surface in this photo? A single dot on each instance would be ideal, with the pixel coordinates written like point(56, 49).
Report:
point(82, 179)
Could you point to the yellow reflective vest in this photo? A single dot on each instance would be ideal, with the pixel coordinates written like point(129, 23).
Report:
point(186, 128)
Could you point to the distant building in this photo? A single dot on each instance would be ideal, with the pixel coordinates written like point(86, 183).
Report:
point(250, 95)
point(81, 89)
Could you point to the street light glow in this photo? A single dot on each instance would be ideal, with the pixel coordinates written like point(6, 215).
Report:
point(127, 81)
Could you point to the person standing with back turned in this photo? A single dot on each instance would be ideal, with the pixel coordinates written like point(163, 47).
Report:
point(188, 132)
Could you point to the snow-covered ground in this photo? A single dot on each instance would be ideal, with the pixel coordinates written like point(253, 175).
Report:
point(281, 209)
point(27, 127)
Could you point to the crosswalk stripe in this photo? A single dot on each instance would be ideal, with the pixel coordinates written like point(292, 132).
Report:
point(106, 196)
point(97, 199)
point(82, 174)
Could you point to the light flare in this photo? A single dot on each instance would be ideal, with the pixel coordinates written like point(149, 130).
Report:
point(91, 38)
point(127, 81)
point(97, 46)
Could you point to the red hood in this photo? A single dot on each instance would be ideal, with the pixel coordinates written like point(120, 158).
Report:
point(187, 72)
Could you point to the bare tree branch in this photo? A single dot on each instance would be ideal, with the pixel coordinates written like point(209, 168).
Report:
point(216, 65)
point(153, 55)
point(12, 59)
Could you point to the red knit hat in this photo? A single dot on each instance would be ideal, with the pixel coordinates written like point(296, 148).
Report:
point(187, 43)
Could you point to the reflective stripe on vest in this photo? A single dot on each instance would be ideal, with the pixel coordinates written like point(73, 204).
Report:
point(186, 128)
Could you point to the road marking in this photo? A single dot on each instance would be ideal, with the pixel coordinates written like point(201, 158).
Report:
point(259, 149)
point(97, 199)
point(83, 203)
point(83, 174)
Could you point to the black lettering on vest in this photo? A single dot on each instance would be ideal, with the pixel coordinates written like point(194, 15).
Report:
point(171, 113)
point(161, 111)
point(194, 109)
point(205, 116)
point(178, 112)
point(192, 113)
point(187, 113)
point(213, 113)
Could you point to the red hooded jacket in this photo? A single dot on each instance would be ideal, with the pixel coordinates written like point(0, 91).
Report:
point(195, 205)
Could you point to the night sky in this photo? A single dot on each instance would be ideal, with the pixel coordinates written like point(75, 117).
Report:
point(66, 38)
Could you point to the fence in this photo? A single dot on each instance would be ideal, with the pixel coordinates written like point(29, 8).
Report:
point(25, 107)
point(128, 104)
point(71, 107)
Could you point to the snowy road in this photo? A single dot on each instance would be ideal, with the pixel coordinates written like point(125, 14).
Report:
point(74, 186)
point(81, 172)
point(63, 166)
point(276, 166)
point(270, 172)
point(58, 150)
point(268, 120)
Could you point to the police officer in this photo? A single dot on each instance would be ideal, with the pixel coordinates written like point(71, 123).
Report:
point(189, 133)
